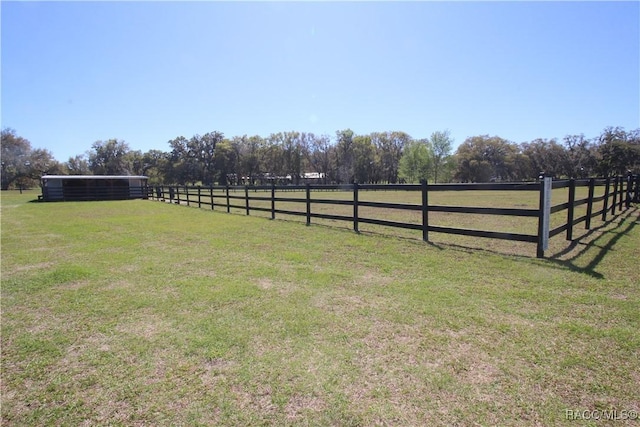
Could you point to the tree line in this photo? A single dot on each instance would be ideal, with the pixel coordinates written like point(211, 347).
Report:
point(378, 157)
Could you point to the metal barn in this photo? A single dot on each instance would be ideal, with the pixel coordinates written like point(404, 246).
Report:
point(93, 187)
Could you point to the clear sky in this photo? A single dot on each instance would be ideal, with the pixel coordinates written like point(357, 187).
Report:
point(147, 72)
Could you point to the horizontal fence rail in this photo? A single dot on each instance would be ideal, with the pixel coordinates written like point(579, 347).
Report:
point(613, 195)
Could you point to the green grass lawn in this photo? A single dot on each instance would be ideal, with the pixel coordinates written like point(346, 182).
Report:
point(145, 313)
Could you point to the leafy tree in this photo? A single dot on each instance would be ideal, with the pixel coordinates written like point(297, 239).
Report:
point(441, 144)
point(109, 158)
point(225, 163)
point(547, 156)
point(522, 169)
point(307, 141)
point(183, 167)
point(274, 159)
point(581, 156)
point(154, 165)
point(250, 152)
point(376, 157)
point(320, 155)
point(41, 162)
point(448, 169)
point(78, 165)
point(475, 170)
point(364, 157)
point(192, 160)
point(293, 154)
point(201, 149)
point(15, 157)
point(135, 160)
point(21, 164)
point(390, 146)
point(618, 151)
point(417, 161)
point(484, 158)
point(285, 155)
point(344, 156)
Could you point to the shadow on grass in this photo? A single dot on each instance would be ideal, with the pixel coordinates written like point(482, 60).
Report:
point(582, 255)
point(594, 245)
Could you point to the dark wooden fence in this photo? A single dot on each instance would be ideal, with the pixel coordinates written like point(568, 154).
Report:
point(619, 193)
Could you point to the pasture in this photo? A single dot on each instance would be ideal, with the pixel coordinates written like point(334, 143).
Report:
point(146, 313)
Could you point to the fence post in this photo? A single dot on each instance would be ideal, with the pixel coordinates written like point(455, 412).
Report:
point(308, 188)
point(273, 200)
point(544, 210)
point(228, 204)
point(615, 196)
point(570, 209)
point(199, 196)
point(425, 211)
point(592, 183)
point(178, 195)
point(621, 194)
point(211, 196)
point(355, 207)
point(605, 205)
point(246, 198)
point(629, 190)
point(636, 196)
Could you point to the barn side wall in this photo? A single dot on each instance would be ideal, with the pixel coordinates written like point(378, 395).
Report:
point(74, 189)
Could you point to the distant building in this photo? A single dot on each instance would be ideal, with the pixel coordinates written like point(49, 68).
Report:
point(267, 178)
point(93, 187)
point(313, 175)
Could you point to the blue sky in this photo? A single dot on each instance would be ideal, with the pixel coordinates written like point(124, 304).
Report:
point(147, 72)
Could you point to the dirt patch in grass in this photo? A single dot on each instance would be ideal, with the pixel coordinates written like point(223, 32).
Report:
point(341, 303)
point(265, 283)
point(282, 287)
point(259, 400)
point(119, 285)
point(298, 406)
point(74, 286)
point(143, 325)
point(372, 278)
point(30, 267)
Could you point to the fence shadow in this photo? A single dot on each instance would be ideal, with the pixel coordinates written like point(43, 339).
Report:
point(585, 253)
point(594, 243)
point(582, 255)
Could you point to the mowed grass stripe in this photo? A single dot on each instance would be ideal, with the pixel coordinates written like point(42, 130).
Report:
point(135, 312)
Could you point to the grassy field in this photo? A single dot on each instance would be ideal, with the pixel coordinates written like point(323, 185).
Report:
point(144, 313)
